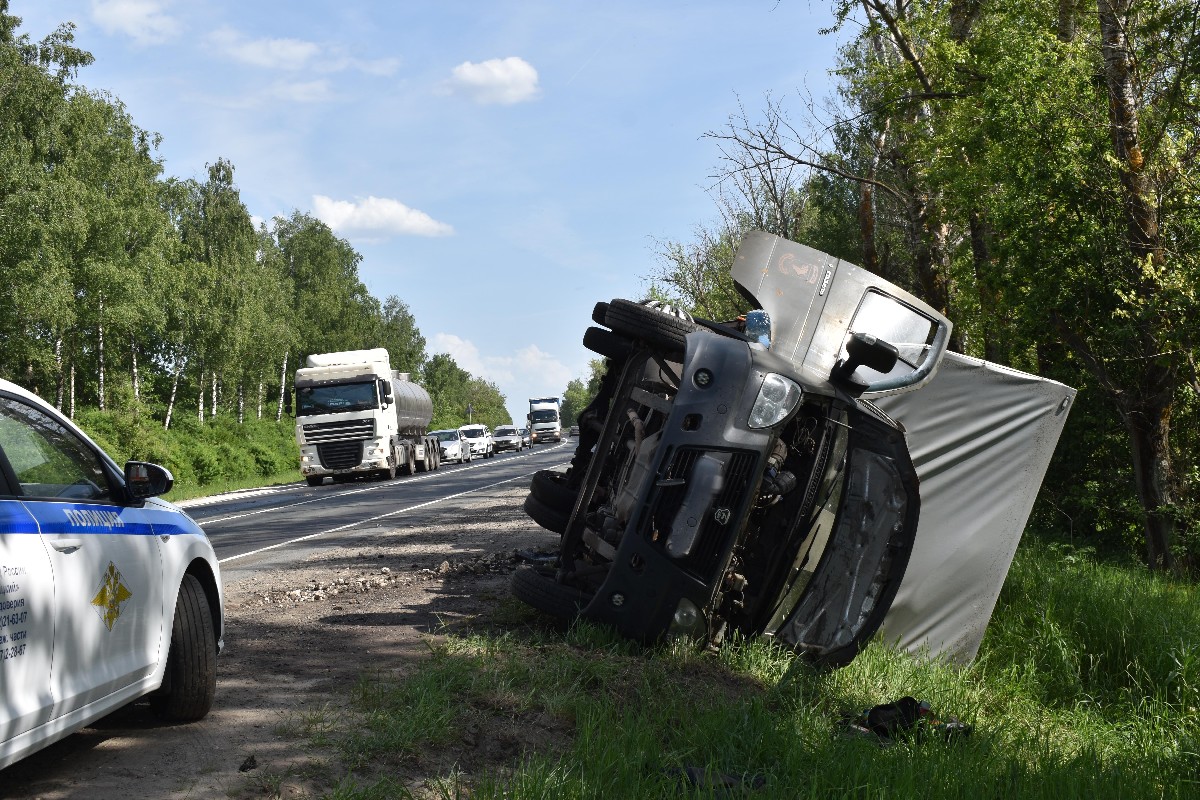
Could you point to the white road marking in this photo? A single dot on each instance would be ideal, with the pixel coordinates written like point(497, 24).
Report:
point(349, 525)
point(374, 487)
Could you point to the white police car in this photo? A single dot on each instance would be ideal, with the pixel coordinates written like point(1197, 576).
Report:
point(107, 593)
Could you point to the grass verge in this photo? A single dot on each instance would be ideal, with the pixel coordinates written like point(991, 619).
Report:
point(1082, 689)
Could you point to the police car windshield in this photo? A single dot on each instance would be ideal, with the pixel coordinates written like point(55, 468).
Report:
point(335, 398)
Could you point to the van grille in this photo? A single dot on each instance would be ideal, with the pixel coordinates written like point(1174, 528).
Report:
point(713, 537)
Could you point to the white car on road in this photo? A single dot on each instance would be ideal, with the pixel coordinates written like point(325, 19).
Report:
point(480, 437)
point(453, 444)
point(107, 593)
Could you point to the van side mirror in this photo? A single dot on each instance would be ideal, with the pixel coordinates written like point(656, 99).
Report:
point(864, 350)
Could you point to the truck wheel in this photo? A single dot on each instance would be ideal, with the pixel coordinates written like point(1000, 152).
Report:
point(314, 480)
point(552, 519)
point(190, 681)
point(543, 592)
point(410, 466)
point(650, 325)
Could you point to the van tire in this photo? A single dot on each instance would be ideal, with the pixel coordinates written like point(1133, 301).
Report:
point(606, 343)
point(541, 591)
point(550, 488)
point(190, 680)
point(658, 329)
point(552, 519)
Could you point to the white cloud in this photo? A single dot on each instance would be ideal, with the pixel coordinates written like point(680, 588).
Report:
point(502, 81)
point(293, 54)
point(287, 54)
point(144, 21)
point(302, 91)
point(377, 215)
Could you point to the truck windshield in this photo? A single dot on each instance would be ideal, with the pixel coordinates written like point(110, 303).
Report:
point(335, 398)
point(547, 415)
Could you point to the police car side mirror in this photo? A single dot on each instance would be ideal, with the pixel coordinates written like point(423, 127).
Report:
point(143, 479)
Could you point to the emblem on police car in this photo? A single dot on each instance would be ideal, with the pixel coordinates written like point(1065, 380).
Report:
point(110, 595)
point(722, 515)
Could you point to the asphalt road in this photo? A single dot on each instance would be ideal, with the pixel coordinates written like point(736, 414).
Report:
point(263, 529)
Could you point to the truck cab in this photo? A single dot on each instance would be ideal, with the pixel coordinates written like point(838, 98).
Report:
point(545, 420)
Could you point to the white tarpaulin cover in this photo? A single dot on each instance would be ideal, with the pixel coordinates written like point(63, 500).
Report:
point(981, 436)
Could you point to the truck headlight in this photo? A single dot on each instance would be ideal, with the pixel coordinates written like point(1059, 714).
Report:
point(777, 398)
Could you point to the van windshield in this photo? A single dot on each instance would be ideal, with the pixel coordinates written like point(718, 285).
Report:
point(336, 398)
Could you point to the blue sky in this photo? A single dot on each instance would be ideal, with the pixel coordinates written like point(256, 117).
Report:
point(501, 166)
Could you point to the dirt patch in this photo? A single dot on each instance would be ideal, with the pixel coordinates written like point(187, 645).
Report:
point(296, 641)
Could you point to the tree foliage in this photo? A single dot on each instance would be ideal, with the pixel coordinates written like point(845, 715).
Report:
point(1029, 168)
point(138, 293)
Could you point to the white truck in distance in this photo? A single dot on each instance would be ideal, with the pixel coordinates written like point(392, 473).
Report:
point(355, 417)
point(545, 423)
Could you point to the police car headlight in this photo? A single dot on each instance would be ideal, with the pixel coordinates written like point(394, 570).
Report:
point(688, 621)
point(777, 398)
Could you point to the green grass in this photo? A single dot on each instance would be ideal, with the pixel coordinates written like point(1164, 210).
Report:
point(1085, 686)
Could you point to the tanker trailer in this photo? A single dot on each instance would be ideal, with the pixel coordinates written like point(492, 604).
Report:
point(356, 417)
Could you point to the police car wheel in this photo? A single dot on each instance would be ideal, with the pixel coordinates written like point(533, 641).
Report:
point(541, 591)
point(190, 682)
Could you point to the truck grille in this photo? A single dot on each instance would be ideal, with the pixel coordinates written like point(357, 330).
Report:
point(340, 455)
point(321, 432)
point(723, 518)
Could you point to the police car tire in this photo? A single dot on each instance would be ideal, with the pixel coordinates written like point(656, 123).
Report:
point(550, 488)
point(656, 328)
point(543, 592)
point(552, 519)
point(314, 480)
point(606, 343)
point(190, 681)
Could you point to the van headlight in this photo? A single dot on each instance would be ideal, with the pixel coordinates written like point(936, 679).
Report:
point(777, 398)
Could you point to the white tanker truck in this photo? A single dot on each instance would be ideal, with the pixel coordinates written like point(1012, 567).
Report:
point(355, 417)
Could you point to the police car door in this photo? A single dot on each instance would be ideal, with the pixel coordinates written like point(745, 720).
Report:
point(104, 557)
point(26, 615)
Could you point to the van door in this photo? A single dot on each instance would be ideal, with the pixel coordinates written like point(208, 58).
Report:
point(863, 535)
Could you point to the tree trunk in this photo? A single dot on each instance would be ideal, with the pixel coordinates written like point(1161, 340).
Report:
point(174, 390)
point(200, 399)
point(58, 366)
point(100, 346)
point(989, 300)
point(133, 353)
point(1149, 430)
point(212, 410)
point(241, 402)
point(1139, 193)
point(71, 412)
point(261, 394)
point(282, 388)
